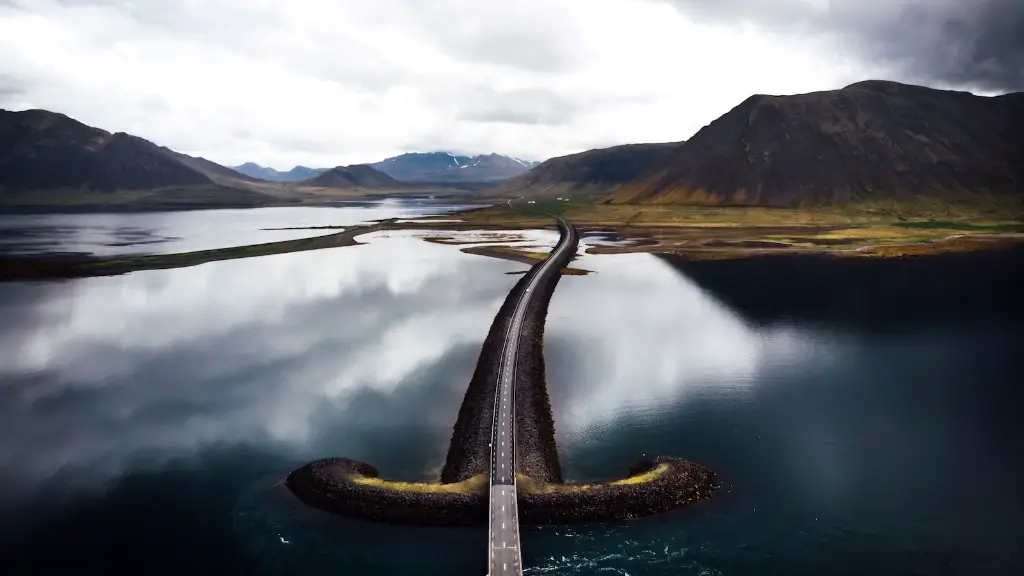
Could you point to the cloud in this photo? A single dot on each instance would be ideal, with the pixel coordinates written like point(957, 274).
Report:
point(535, 106)
point(974, 44)
point(329, 82)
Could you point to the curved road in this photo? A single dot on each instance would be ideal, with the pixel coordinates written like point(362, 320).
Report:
point(503, 527)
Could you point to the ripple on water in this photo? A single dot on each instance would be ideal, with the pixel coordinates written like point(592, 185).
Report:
point(629, 548)
point(280, 535)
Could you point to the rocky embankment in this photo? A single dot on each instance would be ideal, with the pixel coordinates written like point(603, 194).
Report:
point(354, 489)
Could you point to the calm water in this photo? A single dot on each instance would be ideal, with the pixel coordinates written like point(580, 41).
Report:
point(184, 231)
point(147, 420)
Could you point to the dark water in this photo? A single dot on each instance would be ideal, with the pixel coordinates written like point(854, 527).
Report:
point(147, 420)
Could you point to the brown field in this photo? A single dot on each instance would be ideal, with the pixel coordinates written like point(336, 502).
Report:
point(865, 229)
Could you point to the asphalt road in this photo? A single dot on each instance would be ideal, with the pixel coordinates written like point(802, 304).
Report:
point(504, 555)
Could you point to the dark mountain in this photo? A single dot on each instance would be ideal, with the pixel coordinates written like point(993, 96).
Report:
point(264, 173)
point(41, 150)
point(355, 176)
point(443, 167)
point(592, 172)
point(212, 170)
point(870, 140)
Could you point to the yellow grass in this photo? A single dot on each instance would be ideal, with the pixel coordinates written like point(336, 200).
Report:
point(652, 474)
point(656, 215)
point(475, 485)
point(532, 486)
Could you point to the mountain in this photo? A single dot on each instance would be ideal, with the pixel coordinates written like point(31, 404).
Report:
point(264, 173)
point(592, 172)
point(869, 140)
point(42, 150)
point(355, 176)
point(443, 167)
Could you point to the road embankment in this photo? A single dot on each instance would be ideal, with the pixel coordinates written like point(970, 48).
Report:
point(355, 489)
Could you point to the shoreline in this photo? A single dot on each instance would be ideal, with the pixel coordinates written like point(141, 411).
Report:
point(715, 241)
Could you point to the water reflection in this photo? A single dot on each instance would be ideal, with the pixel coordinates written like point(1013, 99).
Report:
point(876, 294)
point(643, 336)
point(184, 231)
point(99, 370)
point(156, 411)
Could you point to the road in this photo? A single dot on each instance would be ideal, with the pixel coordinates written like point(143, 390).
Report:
point(504, 555)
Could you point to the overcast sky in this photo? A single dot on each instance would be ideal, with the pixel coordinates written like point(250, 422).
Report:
point(328, 82)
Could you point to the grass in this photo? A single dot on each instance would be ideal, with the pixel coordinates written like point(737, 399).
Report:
point(843, 228)
point(475, 485)
point(992, 211)
point(542, 207)
point(652, 474)
point(530, 485)
point(963, 226)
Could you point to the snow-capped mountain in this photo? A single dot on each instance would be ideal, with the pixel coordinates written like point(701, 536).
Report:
point(448, 167)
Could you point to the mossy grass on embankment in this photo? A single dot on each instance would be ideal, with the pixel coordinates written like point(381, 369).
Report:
point(354, 489)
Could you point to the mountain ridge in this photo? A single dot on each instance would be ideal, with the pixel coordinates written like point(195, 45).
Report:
point(296, 174)
point(870, 140)
point(43, 150)
point(591, 172)
point(419, 167)
point(445, 167)
point(352, 177)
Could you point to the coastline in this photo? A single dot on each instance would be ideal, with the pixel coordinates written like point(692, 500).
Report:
point(693, 233)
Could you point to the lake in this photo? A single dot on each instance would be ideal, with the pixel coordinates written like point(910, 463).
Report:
point(185, 231)
point(861, 416)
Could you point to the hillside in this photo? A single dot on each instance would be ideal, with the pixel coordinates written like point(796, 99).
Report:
point(443, 167)
point(42, 150)
point(869, 141)
point(296, 174)
point(592, 172)
point(355, 176)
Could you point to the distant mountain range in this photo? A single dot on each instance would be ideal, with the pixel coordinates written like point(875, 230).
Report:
point(47, 151)
point(443, 167)
point(269, 174)
point(872, 140)
point(420, 167)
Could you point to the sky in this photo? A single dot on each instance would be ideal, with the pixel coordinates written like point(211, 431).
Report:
point(337, 82)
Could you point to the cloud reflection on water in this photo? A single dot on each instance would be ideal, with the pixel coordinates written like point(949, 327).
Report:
point(282, 348)
point(649, 337)
point(97, 371)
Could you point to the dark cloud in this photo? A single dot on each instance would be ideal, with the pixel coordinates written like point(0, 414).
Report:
point(976, 43)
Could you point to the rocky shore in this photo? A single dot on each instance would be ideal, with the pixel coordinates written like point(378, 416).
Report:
point(354, 489)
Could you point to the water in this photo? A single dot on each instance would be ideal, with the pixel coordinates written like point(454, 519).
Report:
point(146, 420)
point(186, 231)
